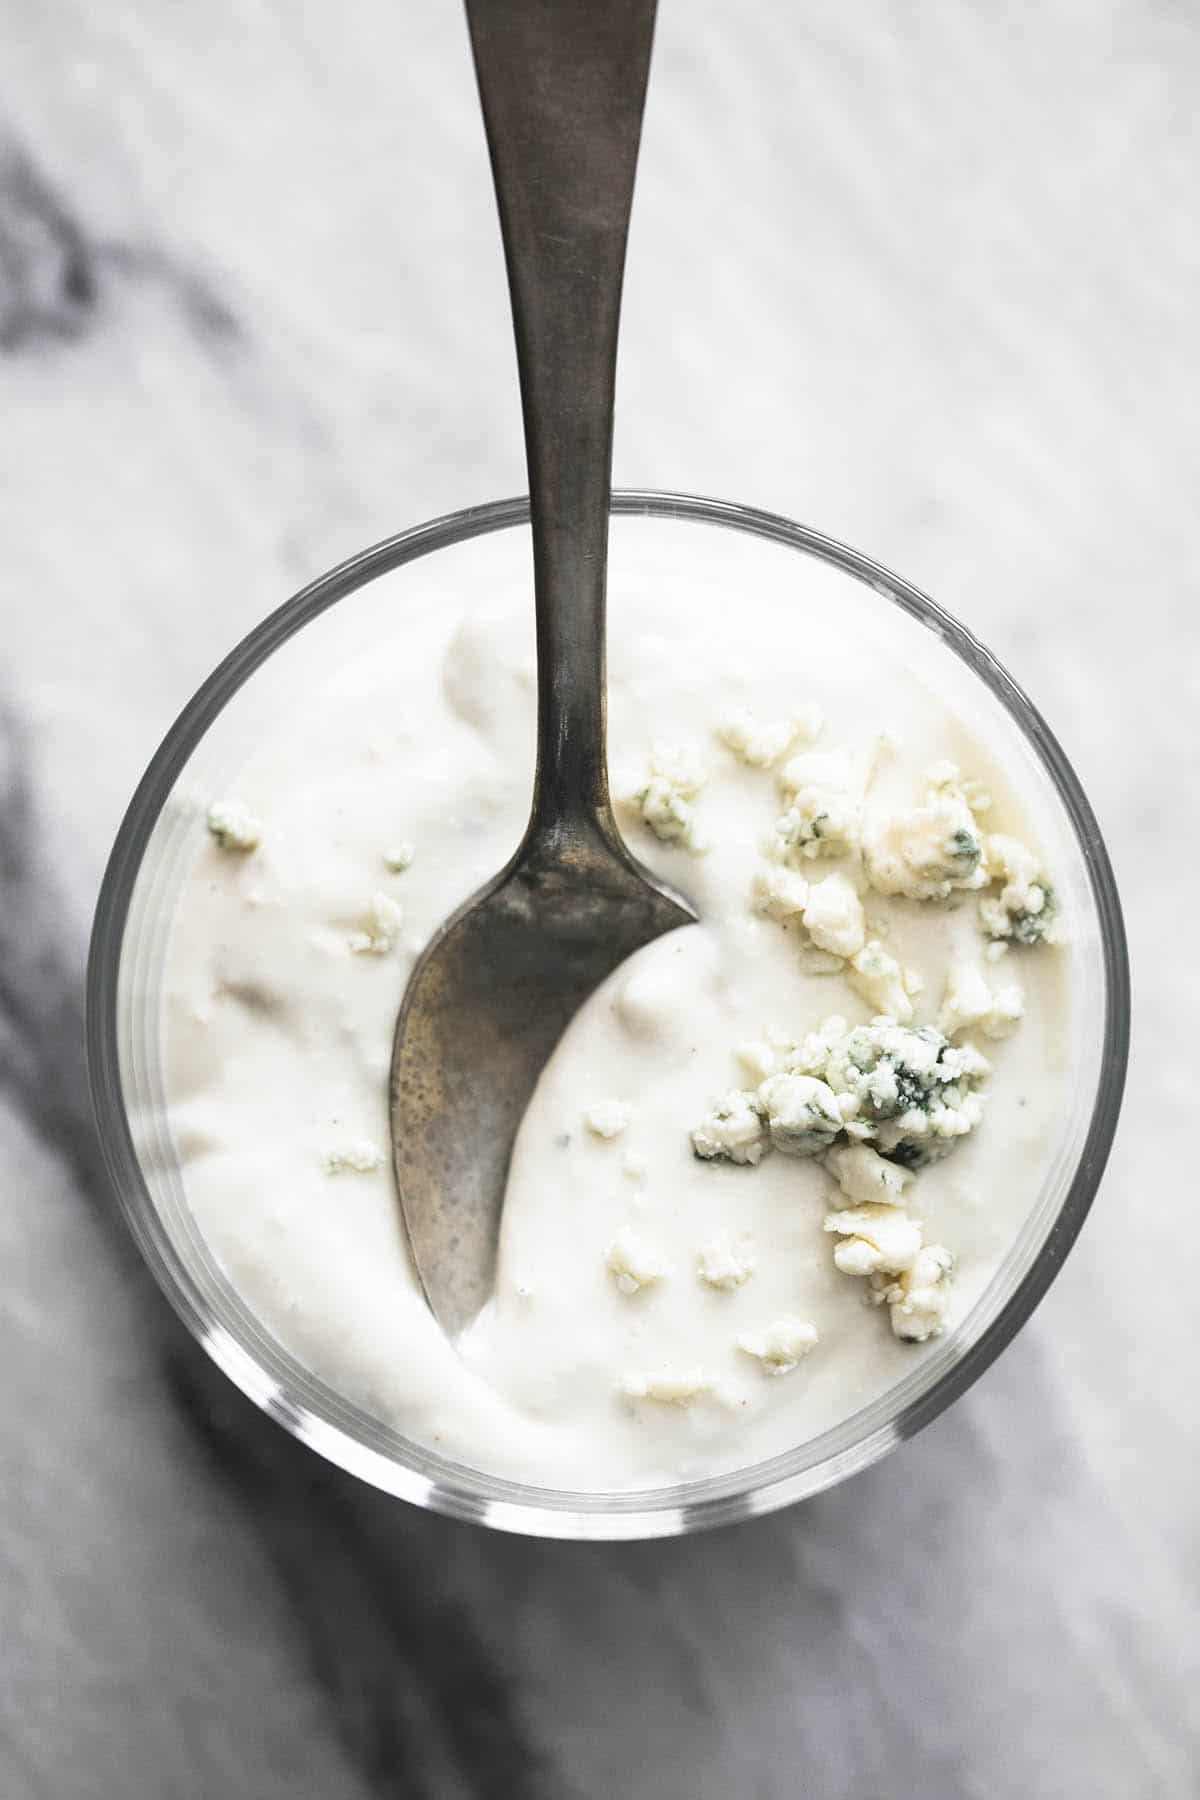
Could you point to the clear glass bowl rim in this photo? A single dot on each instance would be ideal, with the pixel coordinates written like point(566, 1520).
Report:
point(464, 1493)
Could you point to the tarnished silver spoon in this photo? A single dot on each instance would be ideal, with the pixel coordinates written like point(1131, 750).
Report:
point(563, 84)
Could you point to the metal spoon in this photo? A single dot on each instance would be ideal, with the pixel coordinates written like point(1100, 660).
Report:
point(563, 83)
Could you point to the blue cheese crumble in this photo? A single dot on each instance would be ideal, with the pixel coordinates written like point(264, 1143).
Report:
point(828, 913)
point(759, 744)
point(781, 1346)
point(874, 1239)
point(801, 1112)
point(878, 1241)
point(930, 851)
point(234, 826)
point(918, 1297)
point(758, 1058)
point(780, 894)
point(1024, 907)
point(724, 1265)
point(865, 1176)
point(666, 799)
point(668, 1387)
point(380, 928)
point(357, 1157)
point(908, 1091)
point(732, 1131)
point(823, 795)
point(969, 1004)
point(633, 1263)
point(834, 918)
point(883, 984)
point(608, 1118)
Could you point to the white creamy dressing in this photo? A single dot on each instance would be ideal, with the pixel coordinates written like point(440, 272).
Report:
point(278, 1034)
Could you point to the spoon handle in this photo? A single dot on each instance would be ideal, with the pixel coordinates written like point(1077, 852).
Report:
point(563, 85)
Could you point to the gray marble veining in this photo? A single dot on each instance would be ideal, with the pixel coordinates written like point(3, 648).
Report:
point(927, 278)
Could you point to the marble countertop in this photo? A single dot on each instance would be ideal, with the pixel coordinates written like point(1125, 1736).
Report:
point(925, 277)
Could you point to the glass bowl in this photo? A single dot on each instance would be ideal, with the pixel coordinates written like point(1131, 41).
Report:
point(132, 921)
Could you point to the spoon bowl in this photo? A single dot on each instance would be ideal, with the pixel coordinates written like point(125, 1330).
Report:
point(485, 1005)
